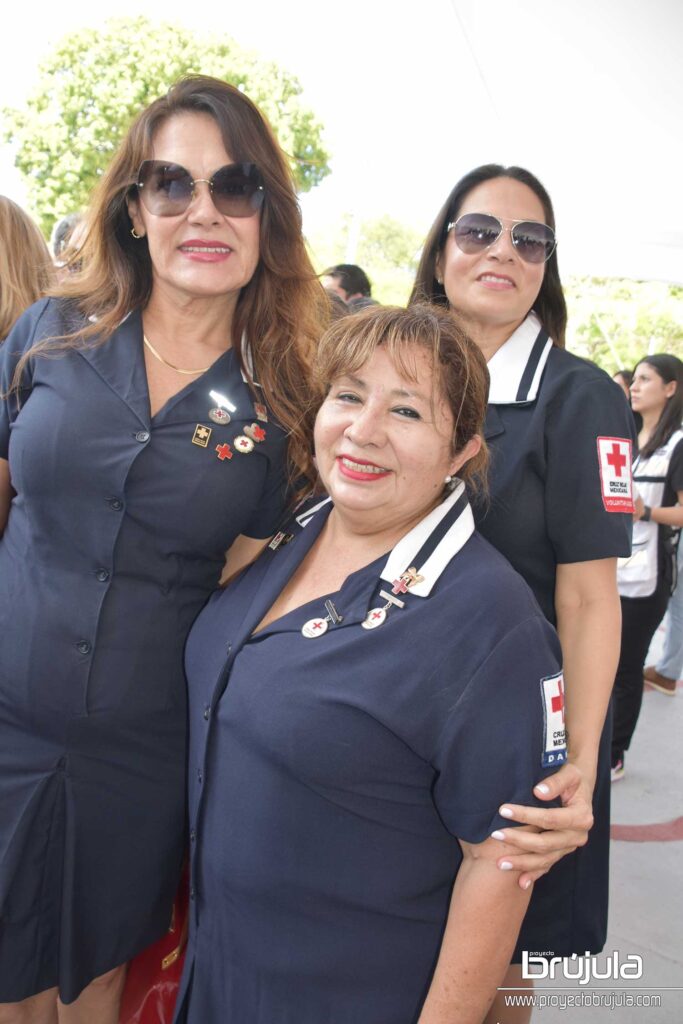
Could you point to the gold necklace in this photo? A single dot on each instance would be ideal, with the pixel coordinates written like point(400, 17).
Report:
point(189, 373)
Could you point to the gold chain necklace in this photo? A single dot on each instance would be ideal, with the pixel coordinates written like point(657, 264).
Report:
point(189, 373)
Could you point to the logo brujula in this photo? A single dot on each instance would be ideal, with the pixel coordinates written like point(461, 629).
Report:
point(584, 968)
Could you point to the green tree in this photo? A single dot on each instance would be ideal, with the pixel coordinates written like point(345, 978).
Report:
point(387, 250)
point(95, 82)
point(615, 322)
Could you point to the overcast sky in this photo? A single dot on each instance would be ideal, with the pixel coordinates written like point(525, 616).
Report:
point(588, 94)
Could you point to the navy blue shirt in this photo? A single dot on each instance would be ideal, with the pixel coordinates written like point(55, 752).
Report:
point(115, 538)
point(330, 777)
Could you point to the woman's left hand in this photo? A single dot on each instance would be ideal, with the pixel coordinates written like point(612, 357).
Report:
point(560, 829)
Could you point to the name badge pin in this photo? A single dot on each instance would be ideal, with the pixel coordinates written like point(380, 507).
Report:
point(201, 435)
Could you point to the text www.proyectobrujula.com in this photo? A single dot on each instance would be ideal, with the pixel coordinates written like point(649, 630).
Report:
point(577, 1000)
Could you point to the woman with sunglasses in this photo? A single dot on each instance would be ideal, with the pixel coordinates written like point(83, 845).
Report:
point(560, 510)
point(148, 423)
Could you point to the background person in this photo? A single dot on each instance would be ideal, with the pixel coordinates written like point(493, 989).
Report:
point(623, 378)
point(351, 283)
point(153, 439)
point(665, 674)
point(361, 701)
point(25, 267)
point(646, 578)
point(556, 512)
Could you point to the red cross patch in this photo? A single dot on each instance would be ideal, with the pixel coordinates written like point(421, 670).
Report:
point(616, 481)
point(555, 742)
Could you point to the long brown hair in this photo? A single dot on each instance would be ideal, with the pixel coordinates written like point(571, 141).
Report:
point(26, 270)
point(281, 311)
point(460, 371)
point(550, 305)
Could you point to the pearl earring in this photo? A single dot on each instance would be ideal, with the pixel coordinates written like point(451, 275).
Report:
point(449, 479)
point(135, 234)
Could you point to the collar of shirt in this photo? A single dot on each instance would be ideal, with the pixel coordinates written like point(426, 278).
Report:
point(429, 546)
point(517, 367)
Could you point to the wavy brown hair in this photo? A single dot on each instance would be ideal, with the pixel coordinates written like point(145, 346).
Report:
point(26, 270)
point(281, 311)
point(460, 372)
point(550, 305)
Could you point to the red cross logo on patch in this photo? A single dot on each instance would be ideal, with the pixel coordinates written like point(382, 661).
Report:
point(557, 702)
point(616, 459)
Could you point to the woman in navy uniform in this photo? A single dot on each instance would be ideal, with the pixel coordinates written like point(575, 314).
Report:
point(143, 433)
point(647, 578)
point(560, 511)
point(361, 701)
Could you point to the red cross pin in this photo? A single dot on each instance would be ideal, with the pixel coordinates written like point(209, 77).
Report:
point(400, 587)
point(224, 451)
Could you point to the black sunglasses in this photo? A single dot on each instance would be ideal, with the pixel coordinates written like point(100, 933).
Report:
point(474, 232)
point(168, 189)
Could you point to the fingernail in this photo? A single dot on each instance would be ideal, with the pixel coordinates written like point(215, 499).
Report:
point(505, 812)
point(505, 865)
point(527, 884)
point(497, 834)
point(542, 788)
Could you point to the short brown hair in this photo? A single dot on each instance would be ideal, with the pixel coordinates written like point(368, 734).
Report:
point(461, 375)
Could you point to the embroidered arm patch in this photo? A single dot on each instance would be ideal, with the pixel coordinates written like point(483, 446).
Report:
point(555, 742)
point(616, 480)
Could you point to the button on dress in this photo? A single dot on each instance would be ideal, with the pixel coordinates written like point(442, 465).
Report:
point(115, 538)
point(328, 784)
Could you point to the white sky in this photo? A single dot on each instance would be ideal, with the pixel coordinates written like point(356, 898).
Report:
point(588, 94)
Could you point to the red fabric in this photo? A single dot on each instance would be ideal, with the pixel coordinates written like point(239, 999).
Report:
point(151, 987)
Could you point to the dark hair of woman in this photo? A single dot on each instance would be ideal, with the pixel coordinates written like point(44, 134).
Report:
point(669, 368)
point(626, 375)
point(460, 373)
point(280, 312)
point(550, 306)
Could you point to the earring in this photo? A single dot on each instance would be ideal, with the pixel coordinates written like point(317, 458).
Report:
point(439, 280)
point(135, 234)
point(449, 479)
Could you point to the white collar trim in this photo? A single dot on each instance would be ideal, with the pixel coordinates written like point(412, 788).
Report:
point(404, 553)
point(508, 365)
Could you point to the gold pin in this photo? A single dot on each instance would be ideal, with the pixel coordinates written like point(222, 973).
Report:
point(201, 435)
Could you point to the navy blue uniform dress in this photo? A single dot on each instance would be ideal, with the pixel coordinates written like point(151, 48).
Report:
point(560, 436)
point(115, 538)
point(329, 777)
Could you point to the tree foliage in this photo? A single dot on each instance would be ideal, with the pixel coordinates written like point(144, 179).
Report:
point(385, 248)
point(96, 81)
point(615, 322)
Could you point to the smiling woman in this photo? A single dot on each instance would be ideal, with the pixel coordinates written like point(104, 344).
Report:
point(343, 863)
point(557, 511)
point(175, 365)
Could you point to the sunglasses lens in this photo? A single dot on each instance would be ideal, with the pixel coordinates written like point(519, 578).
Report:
point(534, 242)
point(474, 232)
point(237, 191)
point(165, 189)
